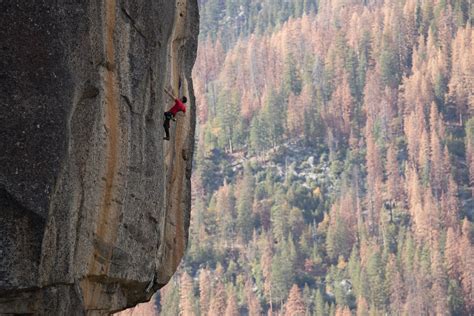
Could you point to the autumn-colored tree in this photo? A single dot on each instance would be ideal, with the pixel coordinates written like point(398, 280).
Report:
point(186, 295)
point(204, 291)
point(232, 308)
point(252, 301)
point(374, 182)
point(470, 152)
point(218, 299)
point(461, 83)
point(341, 230)
point(452, 253)
point(343, 311)
point(395, 285)
point(341, 107)
point(450, 204)
point(295, 305)
point(467, 265)
point(362, 307)
point(424, 165)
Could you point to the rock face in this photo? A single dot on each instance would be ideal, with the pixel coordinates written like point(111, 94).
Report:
point(94, 205)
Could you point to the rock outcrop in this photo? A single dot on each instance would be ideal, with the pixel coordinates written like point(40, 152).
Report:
point(94, 205)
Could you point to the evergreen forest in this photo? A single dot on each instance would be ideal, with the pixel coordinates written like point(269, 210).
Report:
point(334, 160)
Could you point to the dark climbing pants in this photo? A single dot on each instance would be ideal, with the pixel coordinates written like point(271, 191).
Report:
point(166, 124)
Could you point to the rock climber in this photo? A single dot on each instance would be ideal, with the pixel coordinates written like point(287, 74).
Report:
point(171, 113)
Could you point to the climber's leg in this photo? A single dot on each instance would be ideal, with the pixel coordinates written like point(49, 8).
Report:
point(166, 125)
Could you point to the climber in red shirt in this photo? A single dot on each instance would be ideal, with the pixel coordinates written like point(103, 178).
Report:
point(171, 113)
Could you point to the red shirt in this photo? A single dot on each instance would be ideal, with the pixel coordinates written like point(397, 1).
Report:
point(178, 106)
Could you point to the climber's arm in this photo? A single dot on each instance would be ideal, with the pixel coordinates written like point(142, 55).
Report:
point(170, 94)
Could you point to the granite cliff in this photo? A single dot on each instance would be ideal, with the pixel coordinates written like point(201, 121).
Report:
point(94, 205)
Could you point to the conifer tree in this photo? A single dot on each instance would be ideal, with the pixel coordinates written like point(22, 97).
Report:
point(245, 205)
point(295, 305)
point(452, 254)
point(204, 291)
point(170, 300)
point(376, 278)
point(440, 282)
point(470, 152)
point(231, 308)
point(362, 308)
point(186, 295)
point(467, 266)
point(218, 299)
point(320, 308)
point(252, 301)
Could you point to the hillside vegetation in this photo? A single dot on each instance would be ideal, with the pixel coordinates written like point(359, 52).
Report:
point(335, 160)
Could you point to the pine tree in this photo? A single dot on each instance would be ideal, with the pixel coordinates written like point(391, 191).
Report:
point(393, 175)
point(292, 79)
point(226, 118)
point(436, 130)
point(279, 219)
point(461, 82)
point(340, 238)
point(266, 263)
point(394, 285)
point(295, 305)
point(218, 299)
point(467, 266)
point(470, 152)
point(440, 282)
point(389, 64)
point(376, 278)
point(374, 182)
point(225, 213)
point(245, 205)
point(252, 301)
point(259, 137)
point(273, 117)
point(186, 295)
point(455, 298)
point(282, 273)
point(170, 299)
point(319, 304)
point(232, 308)
point(362, 308)
point(452, 253)
point(204, 291)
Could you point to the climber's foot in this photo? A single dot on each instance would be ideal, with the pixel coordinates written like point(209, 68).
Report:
point(166, 138)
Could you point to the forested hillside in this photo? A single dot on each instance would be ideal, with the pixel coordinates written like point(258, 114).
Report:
point(335, 162)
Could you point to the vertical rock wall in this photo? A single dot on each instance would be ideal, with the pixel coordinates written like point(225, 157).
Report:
point(94, 205)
